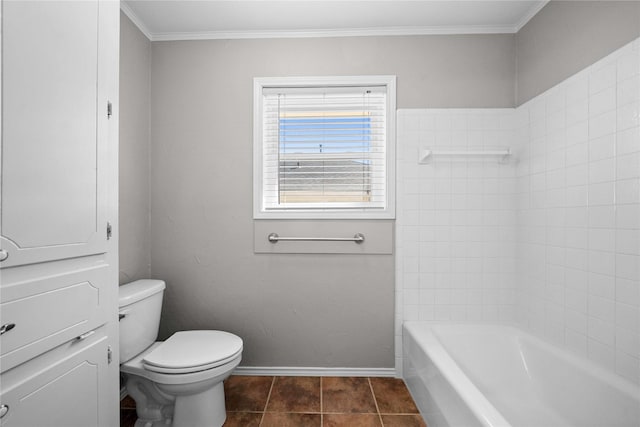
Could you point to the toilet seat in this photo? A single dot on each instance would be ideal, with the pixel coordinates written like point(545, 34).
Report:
point(192, 351)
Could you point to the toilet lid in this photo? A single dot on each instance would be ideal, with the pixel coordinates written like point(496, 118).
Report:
point(190, 351)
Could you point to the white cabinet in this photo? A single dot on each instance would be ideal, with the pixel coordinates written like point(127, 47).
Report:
point(58, 194)
point(53, 176)
point(66, 392)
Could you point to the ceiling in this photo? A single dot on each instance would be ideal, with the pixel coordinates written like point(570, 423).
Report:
point(233, 19)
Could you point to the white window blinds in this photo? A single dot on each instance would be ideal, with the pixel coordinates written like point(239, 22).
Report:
point(324, 148)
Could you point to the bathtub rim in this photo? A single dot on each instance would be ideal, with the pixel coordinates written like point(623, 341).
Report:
point(477, 403)
point(594, 369)
point(422, 332)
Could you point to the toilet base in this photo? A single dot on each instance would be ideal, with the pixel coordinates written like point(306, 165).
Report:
point(203, 409)
point(157, 409)
point(178, 400)
point(153, 408)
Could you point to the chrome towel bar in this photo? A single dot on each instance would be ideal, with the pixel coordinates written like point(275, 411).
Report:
point(357, 238)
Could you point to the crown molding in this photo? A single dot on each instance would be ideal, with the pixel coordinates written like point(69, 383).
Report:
point(347, 32)
point(319, 33)
point(530, 14)
point(124, 7)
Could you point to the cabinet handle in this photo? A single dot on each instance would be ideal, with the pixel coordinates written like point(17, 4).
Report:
point(85, 335)
point(3, 410)
point(6, 328)
point(3, 255)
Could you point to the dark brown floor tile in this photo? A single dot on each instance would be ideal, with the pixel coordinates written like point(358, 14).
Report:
point(347, 394)
point(128, 403)
point(392, 396)
point(247, 393)
point(351, 420)
point(283, 419)
point(295, 394)
point(128, 417)
point(403, 421)
point(243, 419)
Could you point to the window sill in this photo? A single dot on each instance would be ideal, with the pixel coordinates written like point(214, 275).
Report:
point(320, 215)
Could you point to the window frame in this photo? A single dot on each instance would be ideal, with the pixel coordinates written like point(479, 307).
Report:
point(261, 83)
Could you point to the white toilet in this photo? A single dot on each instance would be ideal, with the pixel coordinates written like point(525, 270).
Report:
point(177, 382)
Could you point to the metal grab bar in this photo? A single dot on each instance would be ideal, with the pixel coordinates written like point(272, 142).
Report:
point(357, 238)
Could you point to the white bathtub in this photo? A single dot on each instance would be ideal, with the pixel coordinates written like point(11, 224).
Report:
point(492, 375)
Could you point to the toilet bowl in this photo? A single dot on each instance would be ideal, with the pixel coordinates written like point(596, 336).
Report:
point(178, 382)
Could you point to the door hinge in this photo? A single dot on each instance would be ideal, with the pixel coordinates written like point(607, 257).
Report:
point(109, 109)
point(109, 355)
point(109, 230)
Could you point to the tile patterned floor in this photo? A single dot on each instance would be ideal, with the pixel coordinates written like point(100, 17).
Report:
point(254, 401)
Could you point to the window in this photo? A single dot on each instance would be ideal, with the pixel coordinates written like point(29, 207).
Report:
point(324, 147)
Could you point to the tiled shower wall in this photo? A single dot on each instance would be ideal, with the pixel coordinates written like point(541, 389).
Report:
point(579, 213)
point(567, 206)
point(456, 216)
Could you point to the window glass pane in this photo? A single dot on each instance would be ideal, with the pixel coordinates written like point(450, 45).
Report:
point(324, 157)
point(325, 148)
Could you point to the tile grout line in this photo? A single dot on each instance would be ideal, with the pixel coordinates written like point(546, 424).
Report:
point(321, 406)
point(264, 410)
point(375, 401)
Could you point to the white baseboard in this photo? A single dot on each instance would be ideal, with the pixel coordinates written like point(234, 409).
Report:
point(284, 371)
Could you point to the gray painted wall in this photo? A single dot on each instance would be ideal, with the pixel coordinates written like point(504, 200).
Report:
point(291, 309)
point(135, 79)
point(567, 36)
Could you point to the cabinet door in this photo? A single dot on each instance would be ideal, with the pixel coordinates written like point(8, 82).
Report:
point(53, 167)
point(64, 392)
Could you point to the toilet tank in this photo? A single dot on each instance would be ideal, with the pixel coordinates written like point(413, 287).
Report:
point(140, 303)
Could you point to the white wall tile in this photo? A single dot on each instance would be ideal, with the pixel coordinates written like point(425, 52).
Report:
point(628, 191)
point(628, 166)
point(628, 291)
point(627, 266)
point(627, 91)
point(602, 102)
point(602, 239)
point(551, 240)
point(603, 147)
point(601, 210)
point(605, 124)
point(627, 117)
point(628, 141)
point(628, 241)
point(628, 216)
point(602, 217)
point(602, 170)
